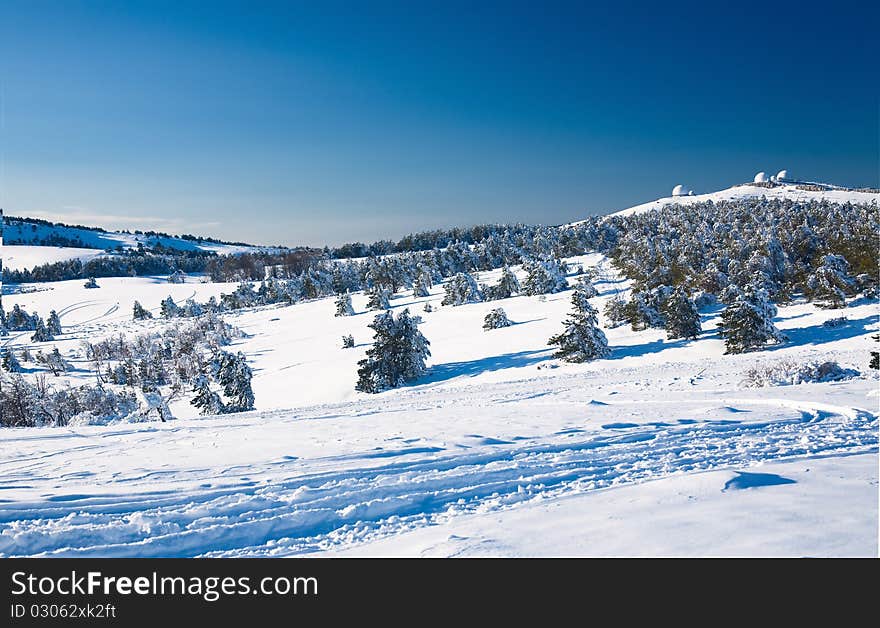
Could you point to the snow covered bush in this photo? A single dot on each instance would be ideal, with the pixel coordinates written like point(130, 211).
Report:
point(507, 286)
point(830, 283)
point(496, 319)
point(379, 298)
point(544, 276)
point(682, 317)
point(788, 372)
point(347, 341)
point(834, 323)
point(91, 283)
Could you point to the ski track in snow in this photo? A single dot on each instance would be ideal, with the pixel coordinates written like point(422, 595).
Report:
point(289, 513)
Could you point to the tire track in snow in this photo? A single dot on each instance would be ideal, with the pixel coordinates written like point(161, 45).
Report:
point(305, 513)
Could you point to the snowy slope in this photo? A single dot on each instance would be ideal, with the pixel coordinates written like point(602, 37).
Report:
point(787, 190)
point(22, 248)
point(497, 434)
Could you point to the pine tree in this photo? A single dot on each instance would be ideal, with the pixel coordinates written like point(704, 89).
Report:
point(53, 324)
point(207, 400)
point(347, 341)
point(641, 312)
point(507, 286)
point(615, 311)
point(169, 308)
point(343, 305)
point(422, 284)
point(747, 323)
point(397, 356)
point(91, 283)
point(496, 319)
point(379, 298)
point(461, 289)
point(586, 286)
point(41, 333)
point(581, 340)
point(682, 317)
point(234, 376)
point(830, 282)
point(874, 363)
point(544, 277)
point(10, 363)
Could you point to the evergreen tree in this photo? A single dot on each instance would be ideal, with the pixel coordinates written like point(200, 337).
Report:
point(874, 363)
point(831, 282)
point(747, 323)
point(461, 289)
point(169, 308)
point(41, 333)
point(347, 341)
point(544, 277)
point(507, 286)
point(141, 313)
point(641, 312)
point(343, 305)
point(234, 376)
point(422, 284)
point(91, 283)
point(53, 324)
point(206, 399)
point(616, 311)
point(496, 319)
point(682, 317)
point(581, 340)
point(586, 286)
point(10, 363)
point(397, 356)
point(379, 298)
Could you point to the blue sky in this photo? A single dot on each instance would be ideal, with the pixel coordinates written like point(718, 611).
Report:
point(328, 122)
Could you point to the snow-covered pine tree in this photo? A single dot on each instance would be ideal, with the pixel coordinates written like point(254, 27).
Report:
point(874, 362)
point(830, 283)
point(586, 286)
point(53, 324)
point(10, 363)
point(615, 311)
point(428, 307)
point(641, 313)
point(682, 317)
point(379, 298)
point(496, 319)
point(581, 340)
point(169, 308)
point(461, 289)
point(347, 341)
point(91, 283)
point(545, 276)
point(507, 286)
point(422, 283)
point(397, 356)
point(140, 313)
point(234, 375)
point(41, 333)
point(343, 305)
point(207, 400)
point(747, 323)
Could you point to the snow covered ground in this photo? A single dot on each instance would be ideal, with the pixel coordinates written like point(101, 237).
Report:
point(499, 450)
point(25, 256)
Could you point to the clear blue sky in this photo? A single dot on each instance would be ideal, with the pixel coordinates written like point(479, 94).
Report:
point(328, 122)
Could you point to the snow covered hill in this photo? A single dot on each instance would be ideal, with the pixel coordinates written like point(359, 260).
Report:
point(28, 243)
point(793, 191)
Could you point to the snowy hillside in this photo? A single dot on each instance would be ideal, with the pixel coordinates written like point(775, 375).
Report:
point(29, 243)
point(791, 191)
point(657, 450)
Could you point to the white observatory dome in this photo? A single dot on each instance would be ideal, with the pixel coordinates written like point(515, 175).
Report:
point(782, 175)
point(761, 177)
point(680, 190)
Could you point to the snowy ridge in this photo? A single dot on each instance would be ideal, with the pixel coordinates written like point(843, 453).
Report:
point(781, 190)
point(23, 246)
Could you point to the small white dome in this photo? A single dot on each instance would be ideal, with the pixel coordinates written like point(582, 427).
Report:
point(782, 175)
point(680, 190)
point(761, 177)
